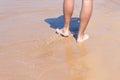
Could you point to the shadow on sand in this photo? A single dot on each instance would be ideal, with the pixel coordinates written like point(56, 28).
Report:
point(59, 23)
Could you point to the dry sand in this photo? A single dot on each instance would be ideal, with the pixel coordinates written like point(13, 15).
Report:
point(30, 49)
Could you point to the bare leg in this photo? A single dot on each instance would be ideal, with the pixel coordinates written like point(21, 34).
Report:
point(85, 15)
point(67, 10)
point(68, 7)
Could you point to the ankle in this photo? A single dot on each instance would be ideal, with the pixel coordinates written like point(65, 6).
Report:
point(80, 36)
point(66, 29)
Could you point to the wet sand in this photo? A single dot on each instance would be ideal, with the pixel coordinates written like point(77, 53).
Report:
point(30, 49)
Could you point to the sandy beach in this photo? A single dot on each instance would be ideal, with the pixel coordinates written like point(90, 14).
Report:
point(31, 50)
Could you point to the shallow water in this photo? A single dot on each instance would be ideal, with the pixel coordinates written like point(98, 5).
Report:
point(30, 49)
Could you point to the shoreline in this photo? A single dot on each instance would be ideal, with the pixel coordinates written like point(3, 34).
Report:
point(31, 50)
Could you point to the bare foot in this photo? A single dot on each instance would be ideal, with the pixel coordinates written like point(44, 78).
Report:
point(64, 33)
point(83, 38)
